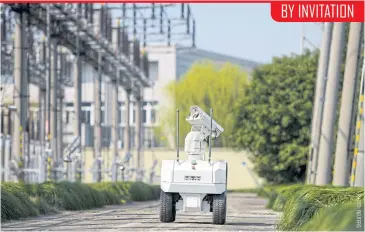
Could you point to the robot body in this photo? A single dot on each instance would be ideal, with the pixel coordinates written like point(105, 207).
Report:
point(195, 184)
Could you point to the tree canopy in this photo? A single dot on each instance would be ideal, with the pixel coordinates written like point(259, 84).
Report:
point(273, 120)
point(207, 85)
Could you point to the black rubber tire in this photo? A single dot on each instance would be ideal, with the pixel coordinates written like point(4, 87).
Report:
point(219, 209)
point(167, 209)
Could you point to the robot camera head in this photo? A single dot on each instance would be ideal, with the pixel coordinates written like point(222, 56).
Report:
point(198, 117)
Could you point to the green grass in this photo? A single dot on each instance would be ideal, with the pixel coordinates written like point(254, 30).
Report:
point(342, 217)
point(248, 190)
point(302, 205)
point(26, 200)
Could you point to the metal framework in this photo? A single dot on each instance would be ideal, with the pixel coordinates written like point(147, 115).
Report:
point(53, 38)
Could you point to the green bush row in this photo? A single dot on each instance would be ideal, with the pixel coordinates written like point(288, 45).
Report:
point(310, 208)
point(25, 200)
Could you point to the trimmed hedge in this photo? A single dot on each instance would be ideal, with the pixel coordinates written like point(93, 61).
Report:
point(303, 206)
point(26, 200)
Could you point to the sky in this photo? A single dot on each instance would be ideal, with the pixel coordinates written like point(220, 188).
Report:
point(243, 30)
point(248, 31)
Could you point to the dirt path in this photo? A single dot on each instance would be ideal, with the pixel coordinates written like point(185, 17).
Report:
point(246, 212)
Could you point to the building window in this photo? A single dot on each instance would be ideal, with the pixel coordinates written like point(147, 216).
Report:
point(144, 115)
point(119, 116)
point(86, 116)
point(153, 70)
point(67, 121)
point(153, 116)
point(134, 116)
point(102, 120)
point(122, 116)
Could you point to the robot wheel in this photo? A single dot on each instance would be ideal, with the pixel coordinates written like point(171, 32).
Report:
point(219, 208)
point(167, 207)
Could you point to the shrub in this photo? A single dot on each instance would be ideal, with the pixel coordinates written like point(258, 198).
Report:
point(301, 204)
point(283, 194)
point(306, 203)
point(140, 191)
point(25, 200)
point(343, 217)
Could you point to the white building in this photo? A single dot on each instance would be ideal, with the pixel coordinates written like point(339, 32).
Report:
point(166, 64)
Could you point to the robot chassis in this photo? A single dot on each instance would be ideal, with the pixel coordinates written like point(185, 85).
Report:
point(195, 185)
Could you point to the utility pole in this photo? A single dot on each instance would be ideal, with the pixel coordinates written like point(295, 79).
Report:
point(60, 134)
point(21, 84)
point(78, 92)
point(114, 132)
point(97, 123)
point(344, 137)
point(42, 133)
point(5, 154)
point(53, 122)
point(319, 101)
point(329, 114)
point(48, 91)
point(127, 133)
point(61, 95)
point(115, 105)
point(138, 135)
point(357, 172)
point(359, 176)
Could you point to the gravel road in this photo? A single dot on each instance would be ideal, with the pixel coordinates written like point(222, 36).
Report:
point(246, 212)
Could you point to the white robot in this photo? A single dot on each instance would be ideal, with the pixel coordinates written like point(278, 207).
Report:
point(195, 184)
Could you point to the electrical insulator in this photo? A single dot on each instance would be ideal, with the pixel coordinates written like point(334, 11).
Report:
point(3, 26)
point(141, 64)
point(145, 65)
point(110, 27)
point(30, 42)
point(161, 19)
point(182, 10)
point(134, 20)
point(168, 33)
point(136, 52)
point(193, 36)
point(62, 65)
point(188, 21)
point(124, 9)
point(153, 16)
point(122, 37)
point(144, 33)
point(68, 69)
point(105, 22)
point(44, 52)
point(125, 42)
point(86, 10)
point(102, 22)
point(119, 36)
point(79, 9)
point(91, 15)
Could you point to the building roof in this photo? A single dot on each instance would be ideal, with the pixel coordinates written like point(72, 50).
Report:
point(186, 57)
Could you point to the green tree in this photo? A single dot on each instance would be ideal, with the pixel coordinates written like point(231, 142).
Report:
point(273, 120)
point(208, 86)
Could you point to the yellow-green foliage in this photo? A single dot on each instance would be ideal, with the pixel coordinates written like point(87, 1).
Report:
point(302, 205)
point(25, 200)
point(207, 86)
